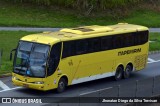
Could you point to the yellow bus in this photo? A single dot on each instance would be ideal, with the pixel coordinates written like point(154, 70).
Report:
point(50, 60)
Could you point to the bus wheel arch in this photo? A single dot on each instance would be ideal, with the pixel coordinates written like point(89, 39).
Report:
point(119, 72)
point(128, 70)
point(66, 78)
point(62, 84)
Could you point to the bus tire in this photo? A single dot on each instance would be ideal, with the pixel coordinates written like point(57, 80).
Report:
point(127, 72)
point(61, 85)
point(119, 73)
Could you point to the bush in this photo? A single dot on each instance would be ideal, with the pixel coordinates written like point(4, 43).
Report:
point(84, 4)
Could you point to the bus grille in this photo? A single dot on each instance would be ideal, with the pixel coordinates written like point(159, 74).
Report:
point(140, 61)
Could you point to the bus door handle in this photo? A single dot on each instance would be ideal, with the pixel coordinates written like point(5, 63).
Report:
point(70, 63)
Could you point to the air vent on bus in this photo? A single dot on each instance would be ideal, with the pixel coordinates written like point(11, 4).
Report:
point(83, 29)
point(87, 29)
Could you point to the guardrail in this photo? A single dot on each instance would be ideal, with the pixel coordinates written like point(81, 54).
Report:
point(1, 53)
point(149, 87)
point(140, 88)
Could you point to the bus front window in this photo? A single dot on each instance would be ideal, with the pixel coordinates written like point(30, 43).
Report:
point(31, 59)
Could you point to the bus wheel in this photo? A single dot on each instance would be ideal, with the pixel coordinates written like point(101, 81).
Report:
point(61, 85)
point(127, 71)
point(119, 73)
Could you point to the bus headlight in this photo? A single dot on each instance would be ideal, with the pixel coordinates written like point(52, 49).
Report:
point(39, 82)
point(15, 78)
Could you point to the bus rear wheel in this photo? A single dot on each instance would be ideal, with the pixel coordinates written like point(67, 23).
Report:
point(61, 85)
point(127, 71)
point(119, 73)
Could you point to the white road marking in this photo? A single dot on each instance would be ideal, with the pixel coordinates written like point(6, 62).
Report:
point(95, 91)
point(154, 61)
point(4, 86)
point(151, 60)
point(10, 89)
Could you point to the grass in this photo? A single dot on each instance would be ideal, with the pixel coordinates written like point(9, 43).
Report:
point(9, 40)
point(17, 14)
point(101, 4)
point(156, 44)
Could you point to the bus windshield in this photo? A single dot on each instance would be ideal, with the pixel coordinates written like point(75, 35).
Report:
point(31, 59)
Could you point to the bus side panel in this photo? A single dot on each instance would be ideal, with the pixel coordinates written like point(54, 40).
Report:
point(92, 66)
point(66, 67)
point(138, 59)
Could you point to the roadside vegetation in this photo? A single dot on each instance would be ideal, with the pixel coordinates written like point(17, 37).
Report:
point(155, 41)
point(71, 13)
point(9, 40)
point(85, 4)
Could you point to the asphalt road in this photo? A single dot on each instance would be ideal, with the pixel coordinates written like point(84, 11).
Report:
point(49, 29)
point(152, 69)
point(27, 29)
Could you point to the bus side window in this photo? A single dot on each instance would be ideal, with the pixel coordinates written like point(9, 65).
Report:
point(144, 36)
point(96, 44)
point(128, 40)
point(131, 39)
point(118, 41)
point(68, 49)
point(137, 38)
point(140, 38)
point(106, 43)
point(90, 46)
point(54, 58)
point(81, 47)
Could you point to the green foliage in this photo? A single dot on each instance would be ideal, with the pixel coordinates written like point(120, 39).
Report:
point(155, 45)
point(9, 41)
point(84, 4)
point(28, 15)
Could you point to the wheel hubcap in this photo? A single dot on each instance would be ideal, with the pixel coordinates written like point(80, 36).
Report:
point(127, 70)
point(61, 85)
point(119, 74)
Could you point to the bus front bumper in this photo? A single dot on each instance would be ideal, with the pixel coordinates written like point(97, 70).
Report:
point(28, 85)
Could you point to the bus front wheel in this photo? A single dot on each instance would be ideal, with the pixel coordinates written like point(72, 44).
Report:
point(61, 85)
point(119, 73)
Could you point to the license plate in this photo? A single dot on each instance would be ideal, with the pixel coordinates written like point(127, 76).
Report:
point(25, 85)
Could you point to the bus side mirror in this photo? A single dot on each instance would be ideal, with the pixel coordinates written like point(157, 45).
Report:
point(11, 54)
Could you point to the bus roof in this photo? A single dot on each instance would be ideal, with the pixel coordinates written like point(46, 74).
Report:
point(82, 33)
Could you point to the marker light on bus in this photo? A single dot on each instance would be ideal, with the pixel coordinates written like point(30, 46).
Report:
point(39, 82)
point(15, 78)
